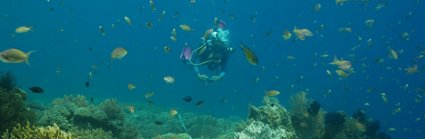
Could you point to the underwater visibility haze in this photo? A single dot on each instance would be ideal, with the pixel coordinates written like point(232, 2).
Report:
point(292, 69)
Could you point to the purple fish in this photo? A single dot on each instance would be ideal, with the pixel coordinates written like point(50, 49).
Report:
point(186, 53)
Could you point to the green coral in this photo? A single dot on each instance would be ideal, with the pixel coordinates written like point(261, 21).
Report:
point(12, 103)
point(75, 113)
point(8, 81)
point(112, 109)
point(27, 132)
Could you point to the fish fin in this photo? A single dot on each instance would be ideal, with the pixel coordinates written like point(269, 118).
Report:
point(28, 56)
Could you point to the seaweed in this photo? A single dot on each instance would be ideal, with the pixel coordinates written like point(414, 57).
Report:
point(8, 81)
point(12, 103)
point(307, 118)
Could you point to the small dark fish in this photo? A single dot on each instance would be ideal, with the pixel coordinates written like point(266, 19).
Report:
point(199, 103)
point(87, 84)
point(158, 122)
point(36, 89)
point(91, 99)
point(187, 98)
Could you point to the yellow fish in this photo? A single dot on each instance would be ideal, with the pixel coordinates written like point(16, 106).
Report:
point(131, 108)
point(127, 20)
point(173, 112)
point(131, 86)
point(342, 73)
point(149, 95)
point(393, 54)
point(118, 53)
point(342, 64)
point(23, 29)
point(169, 79)
point(14, 56)
point(185, 27)
point(249, 55)
point(302, 33)
point(286, 35)
point(272, 93)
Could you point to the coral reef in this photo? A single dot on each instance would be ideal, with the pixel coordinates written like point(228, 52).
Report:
point(207, 126)
point(12, 103)
point(31, 132)
point(97, 133)
point(198, 126)
point(268, 121)
point(173, 136)
point(307, 117)
point(260, 130)
point(76, 114)
point(112, 109)
point(311, 122)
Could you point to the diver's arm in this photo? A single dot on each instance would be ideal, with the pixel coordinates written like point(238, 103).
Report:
point(196, 69)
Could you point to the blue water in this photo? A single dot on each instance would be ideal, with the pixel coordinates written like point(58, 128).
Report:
point(63, 60)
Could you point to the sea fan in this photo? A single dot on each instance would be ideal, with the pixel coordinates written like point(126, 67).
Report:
point(8, 81)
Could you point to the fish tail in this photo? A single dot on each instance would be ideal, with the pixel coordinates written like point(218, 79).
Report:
point(28, 56)
point(242, 46)
point(334, 61)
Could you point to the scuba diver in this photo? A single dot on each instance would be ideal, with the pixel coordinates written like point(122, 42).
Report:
point(212, 53)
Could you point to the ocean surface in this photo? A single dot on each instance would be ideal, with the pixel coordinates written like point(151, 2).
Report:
point(71, 49)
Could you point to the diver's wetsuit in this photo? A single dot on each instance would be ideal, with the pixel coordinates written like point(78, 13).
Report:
point(218, 53)
point(214, 53)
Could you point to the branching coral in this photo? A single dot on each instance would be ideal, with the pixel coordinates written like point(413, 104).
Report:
point(31, 132)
